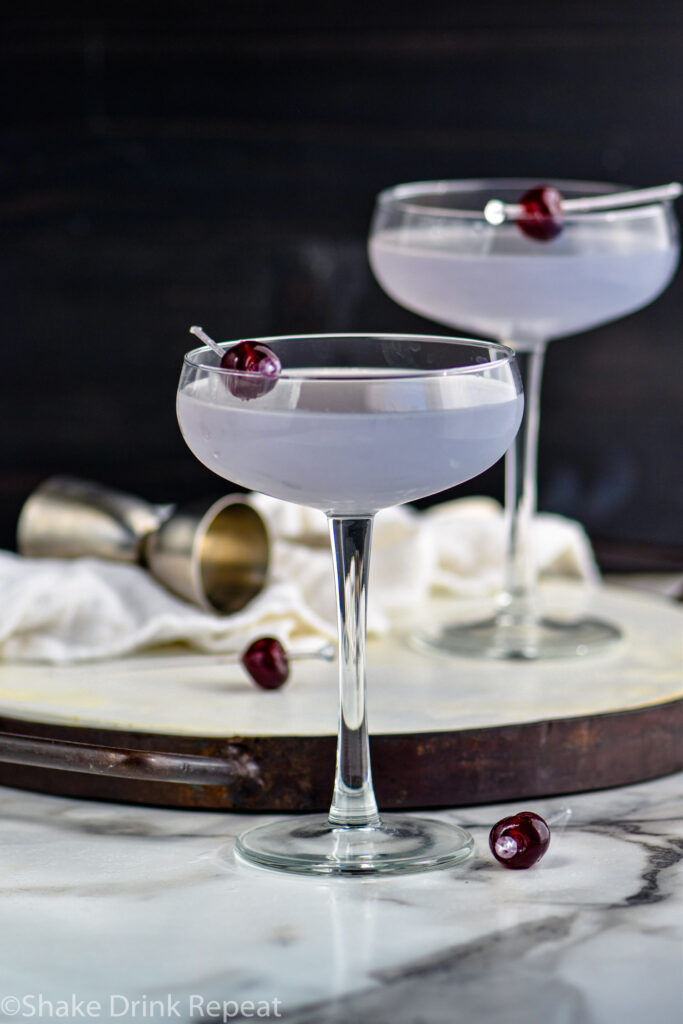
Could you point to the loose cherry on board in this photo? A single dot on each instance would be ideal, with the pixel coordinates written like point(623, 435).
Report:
point(259, 364)
point(542, 218)
point(266, 662)
point(519, 841)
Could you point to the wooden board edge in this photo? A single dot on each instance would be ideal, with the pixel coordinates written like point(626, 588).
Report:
point(413, 770)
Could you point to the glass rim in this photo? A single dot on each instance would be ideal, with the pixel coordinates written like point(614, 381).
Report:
point(507, 356)
point(403, 196)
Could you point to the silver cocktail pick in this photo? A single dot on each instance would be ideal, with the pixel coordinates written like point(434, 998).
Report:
point(200, 333)
point(496, 211)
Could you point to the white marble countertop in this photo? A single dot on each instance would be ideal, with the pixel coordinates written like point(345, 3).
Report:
point(110, 904)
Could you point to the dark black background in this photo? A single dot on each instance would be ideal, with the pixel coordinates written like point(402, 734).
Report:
point(164, 165)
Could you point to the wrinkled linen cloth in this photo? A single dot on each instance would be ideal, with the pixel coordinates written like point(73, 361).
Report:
point(61, 611)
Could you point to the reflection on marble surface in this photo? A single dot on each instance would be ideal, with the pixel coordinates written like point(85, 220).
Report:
point(102, 901)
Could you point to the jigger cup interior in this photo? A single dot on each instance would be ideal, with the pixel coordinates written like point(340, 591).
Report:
point(215, 557)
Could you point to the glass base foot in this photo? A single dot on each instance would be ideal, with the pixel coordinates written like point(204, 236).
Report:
point(311, 845)
point(545, 639)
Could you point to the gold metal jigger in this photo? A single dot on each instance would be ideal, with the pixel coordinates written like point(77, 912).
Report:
point(215, 556)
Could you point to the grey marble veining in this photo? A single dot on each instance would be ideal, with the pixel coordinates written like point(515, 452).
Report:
point(113, 903)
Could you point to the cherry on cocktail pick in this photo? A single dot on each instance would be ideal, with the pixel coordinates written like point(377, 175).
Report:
point(266, 662)
point(259, 364)
point(519, 841)
point(542, 217)
point(255, 359)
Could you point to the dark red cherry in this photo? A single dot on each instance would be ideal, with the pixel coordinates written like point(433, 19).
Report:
point(542, 217)
point(251, 357)
point(519, 841)
point(266, 662)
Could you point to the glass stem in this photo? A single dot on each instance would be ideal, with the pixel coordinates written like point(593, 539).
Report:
point(518, 600)
point(353, 802)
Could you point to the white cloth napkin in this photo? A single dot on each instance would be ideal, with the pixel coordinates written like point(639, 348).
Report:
point(85, 609)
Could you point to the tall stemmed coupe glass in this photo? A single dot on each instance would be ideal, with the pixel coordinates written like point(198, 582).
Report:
point(433, 251)
point(353, 424)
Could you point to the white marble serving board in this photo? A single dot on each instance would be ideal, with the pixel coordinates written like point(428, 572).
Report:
point(178, 691)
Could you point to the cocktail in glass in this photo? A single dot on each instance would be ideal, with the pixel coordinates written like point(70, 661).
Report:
point(353, 424)
point(433, 251)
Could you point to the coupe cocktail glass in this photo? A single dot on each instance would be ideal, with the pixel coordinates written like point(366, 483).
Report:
point(433, 251)
point(354, 423)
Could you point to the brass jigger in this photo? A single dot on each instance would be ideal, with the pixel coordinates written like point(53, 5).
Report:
point(215, 556)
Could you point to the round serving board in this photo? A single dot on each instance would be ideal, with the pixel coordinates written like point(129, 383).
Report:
point(445, 731)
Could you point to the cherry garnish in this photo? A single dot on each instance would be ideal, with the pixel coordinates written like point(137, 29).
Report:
point(542, 217)
point(266, 662)
point(251, 357)
point(519, 841)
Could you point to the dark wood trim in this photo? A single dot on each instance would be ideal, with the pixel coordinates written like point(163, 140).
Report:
point(435, 769)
